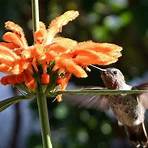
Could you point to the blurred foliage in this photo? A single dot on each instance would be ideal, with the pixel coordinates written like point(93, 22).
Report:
point(123, 22)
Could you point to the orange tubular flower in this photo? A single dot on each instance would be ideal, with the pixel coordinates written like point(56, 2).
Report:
point(21, 61)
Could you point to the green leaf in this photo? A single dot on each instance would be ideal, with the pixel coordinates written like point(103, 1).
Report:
point(13, 100)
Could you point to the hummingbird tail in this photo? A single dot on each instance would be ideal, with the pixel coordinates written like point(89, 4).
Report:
point(138, 135)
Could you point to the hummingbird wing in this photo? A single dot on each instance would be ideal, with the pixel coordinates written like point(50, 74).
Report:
point(88, 101)
point(143, 97)
point(143, 86)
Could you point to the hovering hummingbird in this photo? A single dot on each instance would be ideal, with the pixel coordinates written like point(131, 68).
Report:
point(128, 109)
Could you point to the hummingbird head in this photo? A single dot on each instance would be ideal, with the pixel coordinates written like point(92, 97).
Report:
point(113, 78)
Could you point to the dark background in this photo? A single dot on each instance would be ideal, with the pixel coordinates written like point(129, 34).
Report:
point(123, 22)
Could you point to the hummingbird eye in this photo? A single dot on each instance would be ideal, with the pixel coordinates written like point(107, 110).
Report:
point(115, 72)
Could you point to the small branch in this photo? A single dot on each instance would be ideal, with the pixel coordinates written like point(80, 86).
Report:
point(100, 92)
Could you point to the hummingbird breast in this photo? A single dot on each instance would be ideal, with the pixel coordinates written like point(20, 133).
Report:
point(127, 109)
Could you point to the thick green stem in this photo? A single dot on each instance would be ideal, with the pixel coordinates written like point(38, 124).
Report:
point(41, 97)
point(44, 119)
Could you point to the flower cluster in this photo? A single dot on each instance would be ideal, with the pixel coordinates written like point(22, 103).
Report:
point(50, 55)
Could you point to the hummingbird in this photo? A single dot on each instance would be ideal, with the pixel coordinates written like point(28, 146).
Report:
point(129, 110)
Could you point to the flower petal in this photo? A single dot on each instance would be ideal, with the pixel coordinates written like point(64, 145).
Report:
point(31, 84)
point(29, 52)
point(45, 78)
point(7, 52)
point(5, 68)
point(99, 47)
point(9, 45)
point(5, 59)
point(99, 53)
point(40, 35)
point(29, 79)
point(19, 66)
point(85, 57)
point(18, 30)
point(17, 69)
point(12, 38)
point(7, 56)
point(57, 24)
point(101, 60)
point(12, 79)
point(65, 42)
point(71, 67)
point(56, 48)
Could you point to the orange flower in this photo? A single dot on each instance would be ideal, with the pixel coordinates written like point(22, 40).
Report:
point(21, 61)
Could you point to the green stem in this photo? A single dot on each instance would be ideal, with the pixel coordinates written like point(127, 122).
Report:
point(35, 14)
point(100, 92)
point(43, 116)
point(41, 97)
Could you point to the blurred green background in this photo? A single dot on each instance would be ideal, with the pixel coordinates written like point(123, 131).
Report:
point(123, 22)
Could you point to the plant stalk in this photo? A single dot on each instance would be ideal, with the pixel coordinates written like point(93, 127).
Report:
point(43, 116)
point(35, 14)
point(100, 92)
point(41, 97)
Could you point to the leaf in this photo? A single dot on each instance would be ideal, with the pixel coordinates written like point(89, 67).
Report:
point(13, 100)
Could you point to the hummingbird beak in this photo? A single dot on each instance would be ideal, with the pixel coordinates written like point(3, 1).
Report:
point(100, 69)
